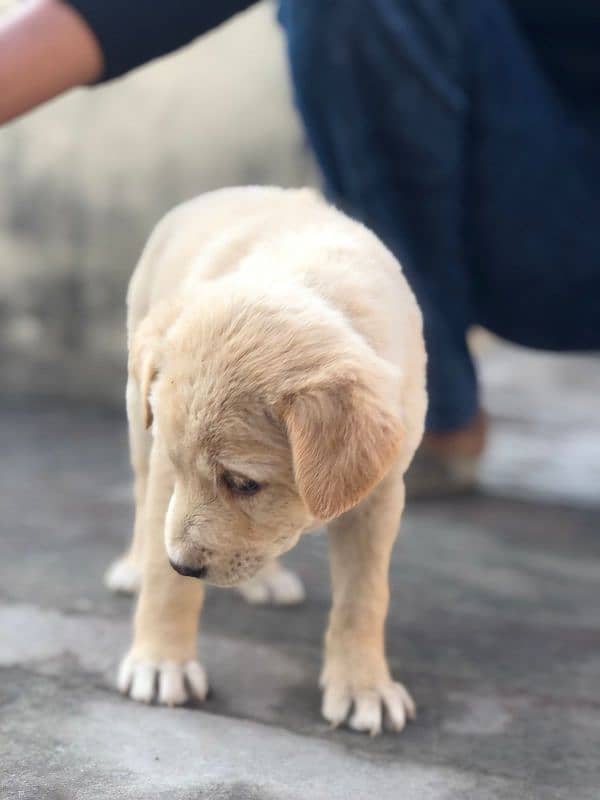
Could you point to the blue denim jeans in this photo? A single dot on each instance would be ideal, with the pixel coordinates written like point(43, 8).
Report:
point(434, 124)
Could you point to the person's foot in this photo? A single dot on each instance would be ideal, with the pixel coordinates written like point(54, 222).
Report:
point(447, 463)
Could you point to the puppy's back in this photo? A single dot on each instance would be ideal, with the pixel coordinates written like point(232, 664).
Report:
point(278, 235)
point(202, 234)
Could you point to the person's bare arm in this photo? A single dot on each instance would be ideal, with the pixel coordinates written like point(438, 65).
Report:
point(45, 49)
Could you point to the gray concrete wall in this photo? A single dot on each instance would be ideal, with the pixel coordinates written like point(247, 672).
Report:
point(85, 178)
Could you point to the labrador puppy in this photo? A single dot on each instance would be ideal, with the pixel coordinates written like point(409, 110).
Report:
point(276, 384)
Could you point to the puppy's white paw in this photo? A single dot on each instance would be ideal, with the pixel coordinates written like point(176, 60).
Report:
point(123, 576)
point(168, 682)
point(273, 585)
point(389, 702)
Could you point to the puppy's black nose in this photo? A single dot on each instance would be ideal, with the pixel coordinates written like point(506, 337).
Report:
point(190, 572)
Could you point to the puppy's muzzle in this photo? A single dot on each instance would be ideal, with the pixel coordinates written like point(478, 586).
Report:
point(190, 572)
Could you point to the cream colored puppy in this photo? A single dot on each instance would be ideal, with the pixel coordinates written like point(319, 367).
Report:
point(276, 353)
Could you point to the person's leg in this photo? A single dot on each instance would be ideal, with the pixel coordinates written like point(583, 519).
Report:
point(380, 87)
point(533, 199)
point(432, 123)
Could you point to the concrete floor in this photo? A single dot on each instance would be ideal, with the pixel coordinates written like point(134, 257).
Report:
point(494, 626)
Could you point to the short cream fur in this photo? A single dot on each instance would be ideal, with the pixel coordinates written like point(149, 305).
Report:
point(276, 383)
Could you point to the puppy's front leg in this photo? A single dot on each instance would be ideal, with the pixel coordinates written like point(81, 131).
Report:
point(355, 671)
point(162, 661)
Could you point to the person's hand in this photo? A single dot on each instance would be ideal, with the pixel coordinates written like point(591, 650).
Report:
point(45, 49)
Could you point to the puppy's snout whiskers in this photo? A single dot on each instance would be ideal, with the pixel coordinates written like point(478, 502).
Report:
point(191, 530)
point(188, 529)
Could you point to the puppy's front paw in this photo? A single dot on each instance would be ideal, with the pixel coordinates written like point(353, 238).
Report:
point(393, 697)
point(367, 702)
point(123, 576)
point(168, 682)
point(273, 585)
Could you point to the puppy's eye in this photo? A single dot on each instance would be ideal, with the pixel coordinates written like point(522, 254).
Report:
point(240, 485)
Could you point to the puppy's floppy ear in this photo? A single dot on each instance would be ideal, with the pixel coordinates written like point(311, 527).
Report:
point(144, 368)
point(144, 354)
point(149, 372)
point(146, 348)
point(344, 436)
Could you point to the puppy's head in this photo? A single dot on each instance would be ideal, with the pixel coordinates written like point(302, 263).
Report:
point(274, 417)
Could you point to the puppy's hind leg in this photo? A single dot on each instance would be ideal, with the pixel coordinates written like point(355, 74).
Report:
point(273, 585)
point(124, 574)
